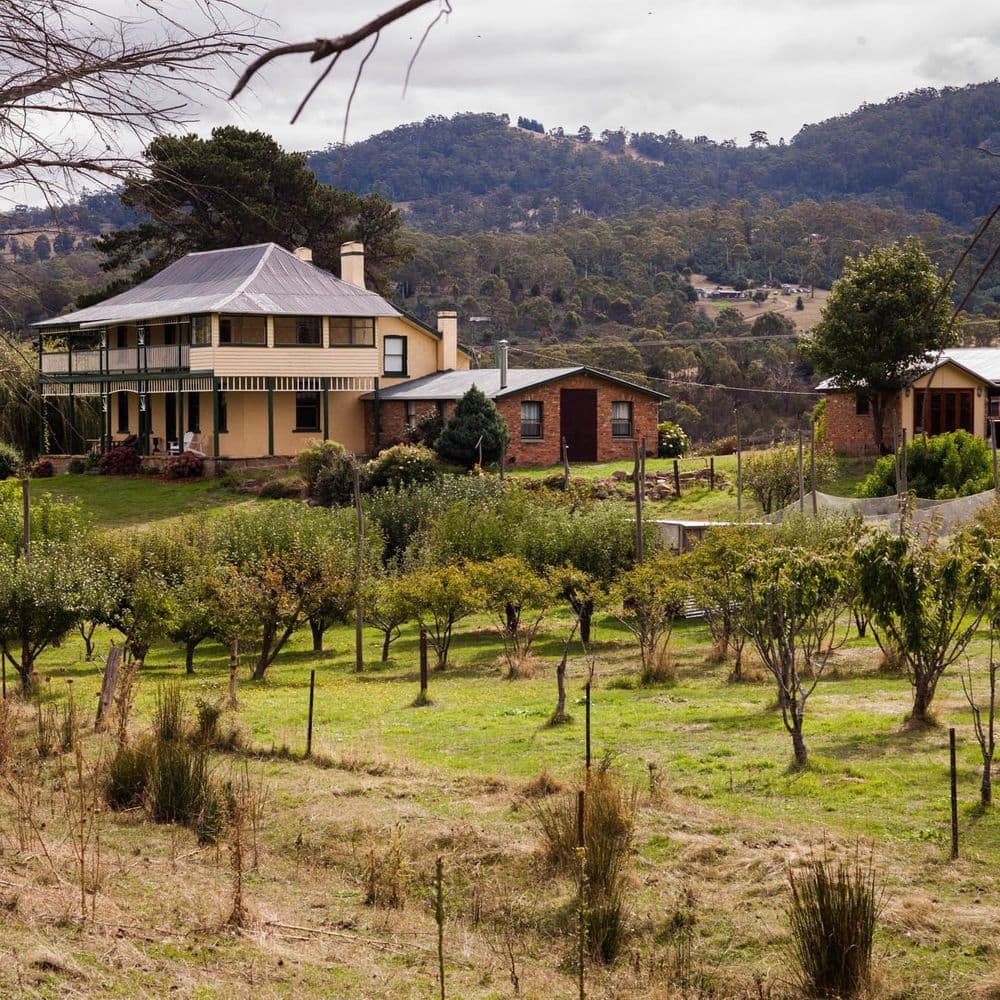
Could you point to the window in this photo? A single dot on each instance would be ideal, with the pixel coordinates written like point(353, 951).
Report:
point(531, 421)
point(938, 411)
point(223, 427)
point(245, 331)
point(194, 412)
point(122, 412)
point(170, 333)
point(298, 331)
point(201, 331)
point(411, 413)
point(351, 331)
point(862, 404)
point(394, 355)
point(307, 411)
point(121, 336)
point(621, 419)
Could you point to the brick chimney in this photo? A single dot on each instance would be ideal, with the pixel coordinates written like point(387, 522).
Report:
point(447, 352)
point(352, 263)
point(503, 345)
point(304, 253)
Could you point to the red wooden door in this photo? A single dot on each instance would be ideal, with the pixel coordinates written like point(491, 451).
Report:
point(578, 423)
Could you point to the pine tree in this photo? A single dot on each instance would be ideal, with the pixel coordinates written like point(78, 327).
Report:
point(475, 417)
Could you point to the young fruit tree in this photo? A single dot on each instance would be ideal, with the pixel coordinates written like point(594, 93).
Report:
point(385, 609)
point(438, 598)
point(792, 600)
point(924, 600)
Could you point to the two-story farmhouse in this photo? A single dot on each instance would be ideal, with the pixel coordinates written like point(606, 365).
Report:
point(246, 353)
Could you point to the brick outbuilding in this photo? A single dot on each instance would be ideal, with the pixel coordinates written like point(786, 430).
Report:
point(599, 415)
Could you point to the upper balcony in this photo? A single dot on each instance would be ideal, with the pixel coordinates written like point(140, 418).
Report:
point(118, 360)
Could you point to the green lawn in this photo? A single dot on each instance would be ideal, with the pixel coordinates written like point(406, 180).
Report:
point(119, 501)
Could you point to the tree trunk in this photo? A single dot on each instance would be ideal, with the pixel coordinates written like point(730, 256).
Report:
point(264, 660)
point(189, 648)
point(26, 670)
point(559, 716)
point(923, 695)
point(234, 662)
point(586, 614)
point(799, 745)
point(862, 623)
point(511, 612)
point(317, 626)
point(986, 786)
point(87, 633)
point(878, 421)
point(385, 646)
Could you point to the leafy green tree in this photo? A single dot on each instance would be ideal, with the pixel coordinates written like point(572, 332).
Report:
point(793, 598)
point(924, 599)
point(41, 601)
point(475, 428)
point(438, 598)
point(386, 608)
point(772, 476)
point(238, 188)
point(885, 317)
point(937, 468)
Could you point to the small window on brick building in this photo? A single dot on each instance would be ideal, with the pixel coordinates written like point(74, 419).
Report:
point(531, 421)
point(862, 404)
point(621, 419)
point(411, 413)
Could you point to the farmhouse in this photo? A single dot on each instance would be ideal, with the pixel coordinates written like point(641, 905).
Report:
point(960, 391)
point(247, 352)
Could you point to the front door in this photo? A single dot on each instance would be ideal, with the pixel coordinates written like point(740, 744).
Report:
point(578, 423)
point(170, 416)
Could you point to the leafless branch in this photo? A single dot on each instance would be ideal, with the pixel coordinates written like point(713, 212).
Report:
point(334, 48)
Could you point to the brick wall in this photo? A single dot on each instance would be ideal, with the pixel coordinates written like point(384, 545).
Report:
point(848, 432)
point(547, 450)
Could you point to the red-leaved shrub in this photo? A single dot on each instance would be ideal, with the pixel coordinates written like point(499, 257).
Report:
point(186, 465)
point(122, 460)
point(42, 469)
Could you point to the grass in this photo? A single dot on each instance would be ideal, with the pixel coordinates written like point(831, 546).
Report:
point(727, 819)
point(122, 501)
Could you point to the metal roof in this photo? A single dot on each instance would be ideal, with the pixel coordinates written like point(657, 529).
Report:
point(981, 362)
point(264, 278)
point(455, 384)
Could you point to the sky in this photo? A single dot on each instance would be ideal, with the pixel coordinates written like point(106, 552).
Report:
point(720, 68)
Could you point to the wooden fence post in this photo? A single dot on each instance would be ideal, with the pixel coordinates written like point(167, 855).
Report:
point(638, 492)
point(812, 465)
point(711, 472)
point(26, 531)
point(677, 478)
point(587, 727)
point(954, 796)
point(993, 444)
point(581, 851)
point(422, 697)
point(802, 480)
point(309, 728)
point(359, 611)
point(108, 685)
point(565, 460)
point(439, 919)
point(739, 463)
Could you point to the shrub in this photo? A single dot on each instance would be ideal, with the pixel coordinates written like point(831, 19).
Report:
point(169, 713)
point(833, 912)
point(10, 461)
point(122, 460)
point(186, 465)
point(77, 466)
point(208, 714)
point(315, 456)
point(43, 469)
point(608, 830)
point(426, 430)
point(93, 460)
point(334, 485)
point(386, 874)
point(402, 466)
point(937, 468)
point(772, 476)
point(671, 441)
point(179, 783)
point(127, 776)
point(475, 418)
point(282, 488)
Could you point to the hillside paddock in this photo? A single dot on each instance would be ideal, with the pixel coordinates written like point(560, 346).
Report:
point(720, 819)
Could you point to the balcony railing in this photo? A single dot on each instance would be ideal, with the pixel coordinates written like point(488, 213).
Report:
point(154, 357)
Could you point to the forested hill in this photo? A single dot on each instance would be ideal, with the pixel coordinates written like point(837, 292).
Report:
point(475, 171)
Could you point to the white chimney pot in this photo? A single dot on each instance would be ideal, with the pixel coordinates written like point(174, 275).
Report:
point(352, 264)
point(304, 253)
point(447, 324)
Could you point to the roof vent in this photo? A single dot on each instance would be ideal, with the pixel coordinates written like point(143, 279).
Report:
point(304, 253)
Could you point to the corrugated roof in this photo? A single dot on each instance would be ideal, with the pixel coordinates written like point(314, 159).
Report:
point(455, 384)
point(264, 278)
point(982, 362)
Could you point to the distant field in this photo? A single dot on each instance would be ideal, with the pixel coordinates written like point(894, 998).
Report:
point(804, 320)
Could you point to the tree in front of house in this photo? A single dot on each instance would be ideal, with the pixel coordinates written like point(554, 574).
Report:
point(923, 599)
point(475, 433)
point(772, 476)
point(885, 318)
point(238, 188)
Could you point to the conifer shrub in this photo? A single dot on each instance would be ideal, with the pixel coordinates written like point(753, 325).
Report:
point(476, 423)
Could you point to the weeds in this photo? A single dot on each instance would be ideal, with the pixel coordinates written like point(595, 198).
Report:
point(834, 909)
point(169, 714)
point(46, 727)
point(127, 775)
point(125, 692)
point(387, 874)
point(207, 716)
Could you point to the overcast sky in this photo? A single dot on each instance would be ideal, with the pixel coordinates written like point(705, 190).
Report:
point(721, 68)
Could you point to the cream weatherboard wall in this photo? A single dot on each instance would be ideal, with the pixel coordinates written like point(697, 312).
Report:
point(947, 376)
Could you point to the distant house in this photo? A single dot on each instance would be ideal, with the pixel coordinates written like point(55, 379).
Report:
point(598, 415)
point(960, 391)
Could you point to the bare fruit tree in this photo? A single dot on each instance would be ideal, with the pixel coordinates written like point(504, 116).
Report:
point(83, 90)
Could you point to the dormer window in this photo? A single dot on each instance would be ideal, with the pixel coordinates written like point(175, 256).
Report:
point(394, 356)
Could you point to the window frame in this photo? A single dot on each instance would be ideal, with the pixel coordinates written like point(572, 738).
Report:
point(300, 404)
point(122, 404)
point(404, 356)
point(615, 433)
point(862, 404)
point(539, 423)
point(360, 331)
point(226, 323)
